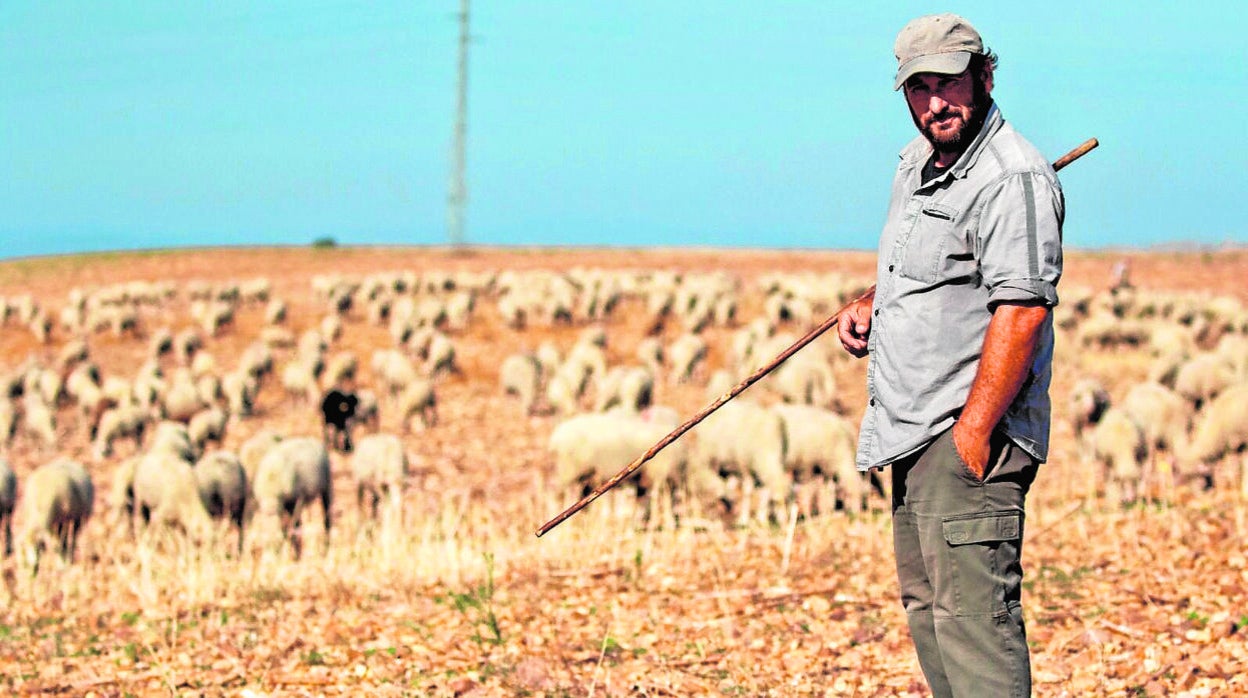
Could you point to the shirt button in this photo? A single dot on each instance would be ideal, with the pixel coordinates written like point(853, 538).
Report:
point(877, 312)
point(872, 402)
point(890, 267)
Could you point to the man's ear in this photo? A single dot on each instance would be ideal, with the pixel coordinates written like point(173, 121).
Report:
point(985, 76)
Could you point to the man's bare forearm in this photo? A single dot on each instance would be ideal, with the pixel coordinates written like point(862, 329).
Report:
point(1009, 346)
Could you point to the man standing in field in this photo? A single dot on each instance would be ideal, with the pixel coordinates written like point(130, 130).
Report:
point(960, 339)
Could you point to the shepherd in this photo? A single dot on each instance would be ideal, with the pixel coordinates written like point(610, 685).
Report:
point(959, 333)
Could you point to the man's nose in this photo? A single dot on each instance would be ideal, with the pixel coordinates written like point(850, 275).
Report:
point(937, 104)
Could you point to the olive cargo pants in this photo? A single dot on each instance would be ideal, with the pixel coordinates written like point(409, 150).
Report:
point(958, 543)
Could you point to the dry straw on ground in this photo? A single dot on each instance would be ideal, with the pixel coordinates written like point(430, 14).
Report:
point(462, 599)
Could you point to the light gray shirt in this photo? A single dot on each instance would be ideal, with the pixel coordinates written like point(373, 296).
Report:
point(986, 231)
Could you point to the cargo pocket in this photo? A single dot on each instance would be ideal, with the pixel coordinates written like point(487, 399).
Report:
point(984, 560)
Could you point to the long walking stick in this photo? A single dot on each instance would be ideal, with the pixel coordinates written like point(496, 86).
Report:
point(753, 378)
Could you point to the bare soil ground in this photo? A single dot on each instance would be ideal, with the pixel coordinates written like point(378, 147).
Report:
point(464, 600)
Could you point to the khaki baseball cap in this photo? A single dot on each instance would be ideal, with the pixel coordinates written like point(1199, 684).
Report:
point(935, 44)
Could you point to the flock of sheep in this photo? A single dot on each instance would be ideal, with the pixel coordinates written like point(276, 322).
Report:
point(157, 432)
point(1186, 420)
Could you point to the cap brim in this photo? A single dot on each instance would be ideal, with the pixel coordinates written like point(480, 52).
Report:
point(950, 63)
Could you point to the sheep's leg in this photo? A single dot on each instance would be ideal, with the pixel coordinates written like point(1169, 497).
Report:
point(8, 536)
point(292, 527)
point(327, 499)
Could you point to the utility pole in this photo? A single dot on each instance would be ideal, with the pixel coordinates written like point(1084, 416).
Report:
point(457, 196)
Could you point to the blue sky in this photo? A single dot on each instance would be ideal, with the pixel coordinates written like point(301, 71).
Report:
point(154, 124)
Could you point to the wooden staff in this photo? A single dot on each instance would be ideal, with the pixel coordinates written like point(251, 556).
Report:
point(753, 378)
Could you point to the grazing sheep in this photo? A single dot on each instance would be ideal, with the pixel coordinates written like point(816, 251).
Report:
point(121, 493)
point(521, 375)
point(299, 380)
point(293, 474)
point(1162, 413)
point(368, 409)
point(440, 356)
point(1203, 377)
point(275, 312)
point(590, 448)
point(650, 354)
point(565, 388)
point(59, 498)
point(394, 370)
point(239, 389)
point(418, 401)
point(820, 446)
point(1221, 430)
point(1088, 401)
point(1118, 445)
point(222, 485)
point(127, 420)
point(341, 367)
point(182, 400)
point(207, 425)
point(805, 379)
point(379, 465)
point(38, 420)
point(254, 449)
point(337, 412)
point(166, 493)
point(745, 442)
point(8, 500)
point(173, 437)
point(687, 354)
point(630, 387)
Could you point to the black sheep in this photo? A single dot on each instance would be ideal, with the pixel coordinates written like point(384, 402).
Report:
point(338, 409)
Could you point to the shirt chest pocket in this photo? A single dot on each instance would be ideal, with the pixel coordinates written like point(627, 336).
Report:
point(938, 248)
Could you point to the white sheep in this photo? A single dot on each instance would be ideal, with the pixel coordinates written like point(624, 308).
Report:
point(1163, 415)
point(127, 420)
point(521, 375)
point(166, 494)
point(1088, 400)
point(182, 400)
point(292, 475)
point(340, 367)
point(222, 485)
point(1221, 429)
point(687, 354)
point(745, 442)
point(1118, 445)
point(590, 448)
point(630, 387)
point(418, 401)
point(58, 500)
point(1202, 377)
point(819, 453)
point(173, 437)
point(379, 465)
point(299, 380)
point(440, 356)
point(207, 425)
point(38, 420)
point(8, 500)
point(254, 449)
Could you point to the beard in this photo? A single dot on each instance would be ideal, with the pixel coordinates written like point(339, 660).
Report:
point(954, 137)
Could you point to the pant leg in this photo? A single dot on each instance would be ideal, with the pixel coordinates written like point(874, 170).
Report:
point(916, 585)
point(970, 534)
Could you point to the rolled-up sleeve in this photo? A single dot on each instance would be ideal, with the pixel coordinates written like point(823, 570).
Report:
point(1020, 239)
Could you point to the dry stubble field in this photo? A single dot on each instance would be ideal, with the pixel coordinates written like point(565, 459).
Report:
point(464, 600)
